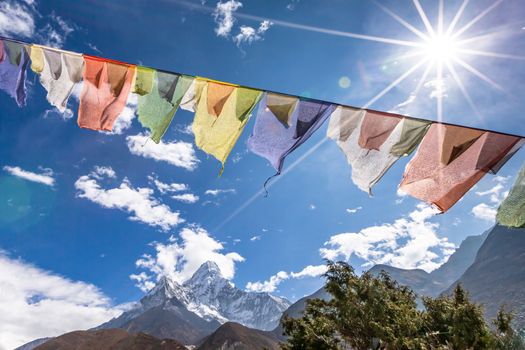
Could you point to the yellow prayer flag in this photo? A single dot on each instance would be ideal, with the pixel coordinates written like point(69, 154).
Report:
point(217, 135)
point(37, 59)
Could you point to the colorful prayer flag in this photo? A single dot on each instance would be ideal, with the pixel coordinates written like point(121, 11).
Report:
point(372, 142)
point(282, 106)
point(13, 64)
point(452, 159)
point(511, 212)
point(274, 140)
point(217, 134)
point(106, 88)
point(59, 72)
point(157, 108)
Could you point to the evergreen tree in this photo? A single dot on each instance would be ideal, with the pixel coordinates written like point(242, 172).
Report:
point(375, 312)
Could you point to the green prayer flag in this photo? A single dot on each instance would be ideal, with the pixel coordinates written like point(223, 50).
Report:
point(154, 109)
point(246, 101)
point(511, 212)
point(143, 80)
point(411, 135)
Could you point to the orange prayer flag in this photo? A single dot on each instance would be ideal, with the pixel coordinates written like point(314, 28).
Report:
point(104, 94)
point(218, 94)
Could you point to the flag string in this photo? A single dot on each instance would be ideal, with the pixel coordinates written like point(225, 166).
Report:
point(388, 114)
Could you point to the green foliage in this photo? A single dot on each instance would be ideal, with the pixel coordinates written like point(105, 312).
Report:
point(375, 312)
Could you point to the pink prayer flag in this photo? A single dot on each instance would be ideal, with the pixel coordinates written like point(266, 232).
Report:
point(468, 155)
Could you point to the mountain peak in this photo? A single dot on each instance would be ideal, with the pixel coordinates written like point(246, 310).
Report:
point(207, 271)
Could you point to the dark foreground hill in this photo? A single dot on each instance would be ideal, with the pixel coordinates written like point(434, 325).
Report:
point(109, 339)
point(234, 336)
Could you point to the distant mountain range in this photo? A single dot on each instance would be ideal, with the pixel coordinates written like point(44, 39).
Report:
point(437, 281)
point(209, 312)
point(497, 275)
point(188, 312)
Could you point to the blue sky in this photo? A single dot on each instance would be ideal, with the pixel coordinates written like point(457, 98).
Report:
point(87, 210)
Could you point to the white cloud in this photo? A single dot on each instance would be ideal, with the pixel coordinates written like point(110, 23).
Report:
point(353, 210)
point(496, 194)
point(410, 242)
point(217, 192)
point(186, 197)
point(255, 238)
point(224, 18)
point(168, 188)
point(180, 258)
point(248, 35)
point(268, 286)
point(485, 212)
point(312, 207)
point(310, 271)
point(56, 31)
point(45, 178)
point(36, 303)
point(16, 19)
point(139, 202)
point(438, 88)
point(66, 115)
point(178, 153)
point(273, 282)
point(100, 172)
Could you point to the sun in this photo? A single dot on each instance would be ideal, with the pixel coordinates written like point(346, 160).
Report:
point(441, 48)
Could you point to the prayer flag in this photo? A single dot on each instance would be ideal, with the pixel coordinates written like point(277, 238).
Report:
point(511, 212)
point(217, 134)
point(13, 64)
point(59, 72)
point(106, 88)
point(157, 108)
point(282, 106)
point(452, 159)
point(143, 81)
point(372, 142)
point(274, 140)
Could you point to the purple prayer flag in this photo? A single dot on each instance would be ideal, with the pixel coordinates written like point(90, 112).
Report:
point(273, 140)
point(13, 66)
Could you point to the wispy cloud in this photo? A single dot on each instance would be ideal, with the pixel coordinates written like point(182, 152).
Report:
point(274, 281)
point(248, 35)
point(45, 304)
point(180, 257)
point(168, 188)
point(255, 238)
point(139, 202)
point(45, 178)
point(217, 192)
point(17, 19)
point(177, 153)
point(496, 194)
point(224, 15)
point(353, 210)
point(189, 198)
point(224, 18)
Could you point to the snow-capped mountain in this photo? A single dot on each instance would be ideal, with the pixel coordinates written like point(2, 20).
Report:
point(213, 297)
point(189, 311)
